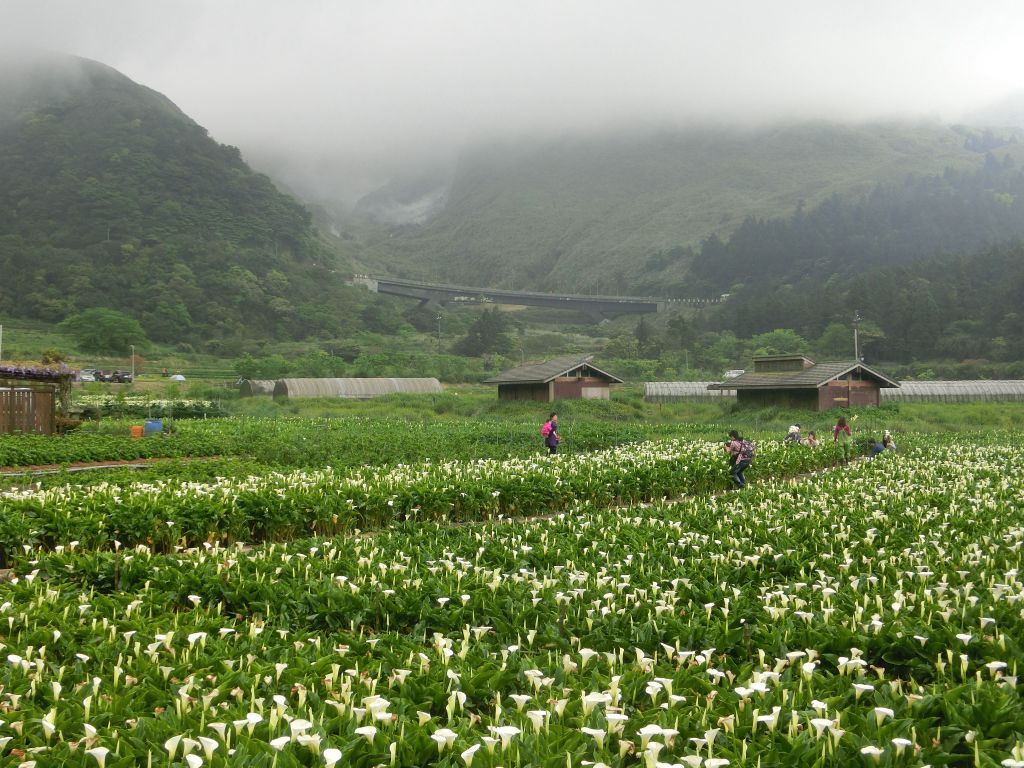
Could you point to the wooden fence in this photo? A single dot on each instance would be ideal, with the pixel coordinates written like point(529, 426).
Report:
point(27, 409)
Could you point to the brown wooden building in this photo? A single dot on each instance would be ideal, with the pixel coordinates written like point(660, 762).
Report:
point(30, 398)
point(794, 381)
point(563, 378)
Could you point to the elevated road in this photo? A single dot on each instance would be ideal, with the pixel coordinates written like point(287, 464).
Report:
point(596, 306)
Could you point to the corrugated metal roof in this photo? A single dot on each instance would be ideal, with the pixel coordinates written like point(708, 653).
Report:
point(958, 391)
point(542, 373)
point(684, 390)
point(816, 376)
point(354, 388)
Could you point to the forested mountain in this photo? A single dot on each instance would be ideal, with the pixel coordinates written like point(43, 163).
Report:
point(623, 214)
point(952, 213)
point(112, 197)
point(935, 264)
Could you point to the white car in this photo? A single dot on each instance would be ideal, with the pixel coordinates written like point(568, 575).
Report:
point(83, 376)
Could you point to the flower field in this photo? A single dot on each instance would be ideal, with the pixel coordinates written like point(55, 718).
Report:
point(865, 616)
point(306, 442)
point(282, 505)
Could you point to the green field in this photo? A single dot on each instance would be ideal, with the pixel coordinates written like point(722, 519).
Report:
point(521, 611)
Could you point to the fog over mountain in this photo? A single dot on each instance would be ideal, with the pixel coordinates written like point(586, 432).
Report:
point(336, 97)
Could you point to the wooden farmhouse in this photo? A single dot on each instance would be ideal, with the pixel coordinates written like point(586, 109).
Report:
point(563, 378)
point(794, 381)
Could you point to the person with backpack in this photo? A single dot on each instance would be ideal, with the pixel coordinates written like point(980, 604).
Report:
point(550, 433)
point(741, 455)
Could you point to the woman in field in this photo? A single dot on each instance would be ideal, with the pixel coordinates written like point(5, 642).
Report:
point(842, 436)
point(550, 433)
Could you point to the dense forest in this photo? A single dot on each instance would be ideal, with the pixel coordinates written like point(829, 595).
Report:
point(112, 197)
point(934, 264)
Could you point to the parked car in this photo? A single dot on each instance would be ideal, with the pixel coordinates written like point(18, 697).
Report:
point(87, 376)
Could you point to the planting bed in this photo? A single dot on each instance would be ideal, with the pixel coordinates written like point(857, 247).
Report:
point(866, 616)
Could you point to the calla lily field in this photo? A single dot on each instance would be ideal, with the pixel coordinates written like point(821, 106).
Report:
point(608, 608)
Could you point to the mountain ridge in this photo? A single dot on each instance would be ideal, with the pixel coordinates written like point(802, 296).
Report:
point(113, 197)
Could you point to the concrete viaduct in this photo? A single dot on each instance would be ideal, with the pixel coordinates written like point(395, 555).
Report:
point(596, 306)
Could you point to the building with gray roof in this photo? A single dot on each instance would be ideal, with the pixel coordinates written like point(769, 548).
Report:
point(795, 381)
point(569, 377)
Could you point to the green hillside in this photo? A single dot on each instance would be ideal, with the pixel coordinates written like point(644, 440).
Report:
point(112, 197)
point(621, 214)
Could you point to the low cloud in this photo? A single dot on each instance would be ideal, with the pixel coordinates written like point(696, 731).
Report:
point(345, 93)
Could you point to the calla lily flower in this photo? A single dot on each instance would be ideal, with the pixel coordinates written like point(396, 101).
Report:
point(367, 731)
point(444, 737)
point(467, 755)
point(100, 754)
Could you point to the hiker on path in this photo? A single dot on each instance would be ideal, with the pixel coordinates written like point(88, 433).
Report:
point(550, 433)
point(842, 436)
point(741, 456)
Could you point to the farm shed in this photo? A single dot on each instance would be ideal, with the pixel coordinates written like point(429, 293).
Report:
point(254, 387)
point(571, 377)
point(674, 391)
point(30, 398)
point(353, 388)
point(794, 381)
point(966, 391)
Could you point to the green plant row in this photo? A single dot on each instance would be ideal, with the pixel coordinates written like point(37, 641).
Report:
point(856, 618)
point(283, 505)
point(97, 406)
point(308, 442)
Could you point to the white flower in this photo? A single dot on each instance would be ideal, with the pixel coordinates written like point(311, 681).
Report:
point(100, 753)
point(367, 731)
point(881, 713)
point(467, 755)
point(597, 734)
point(505, 733)
point(331, 756)
point(171, 745)
point(444, 737)
point(872, 751)
point(820, 724)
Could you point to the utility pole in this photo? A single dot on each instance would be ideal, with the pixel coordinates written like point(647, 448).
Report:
point(439, 333)
point(1, 342)
point(856, 338)
point(133, 362)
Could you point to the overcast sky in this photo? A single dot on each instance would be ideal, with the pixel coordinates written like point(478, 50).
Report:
point(360, 87)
